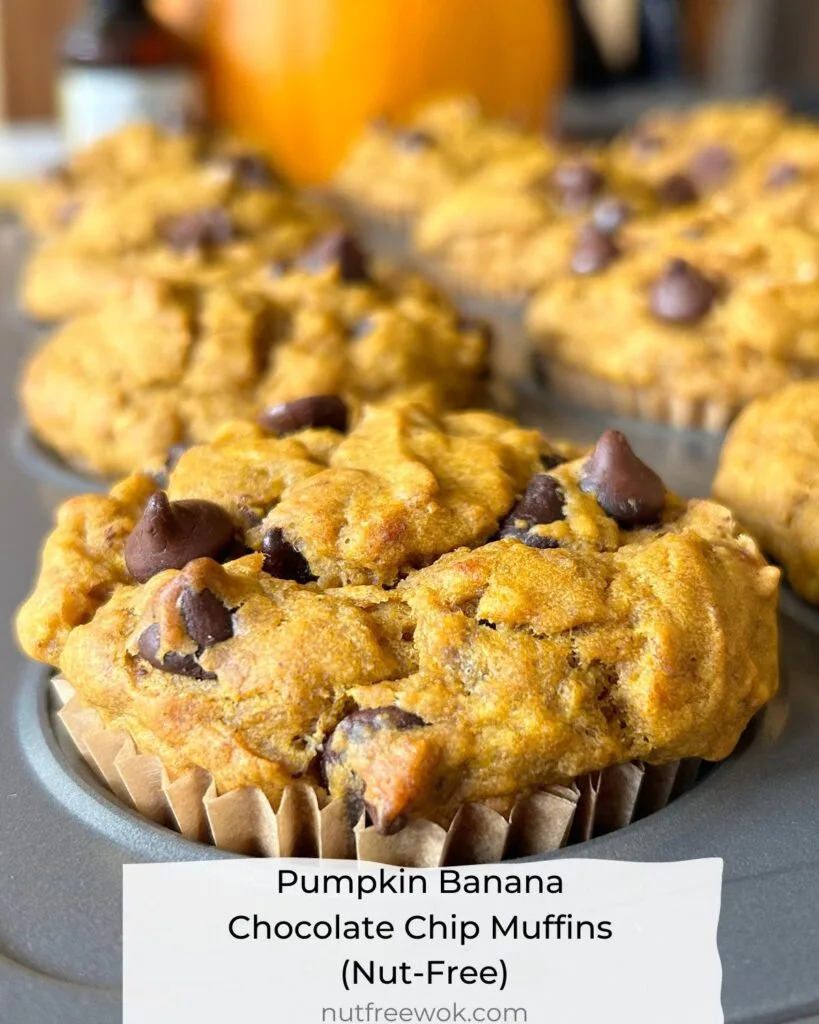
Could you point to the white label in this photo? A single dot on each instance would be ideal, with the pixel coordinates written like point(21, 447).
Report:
point(311, 942)
point(97, 101)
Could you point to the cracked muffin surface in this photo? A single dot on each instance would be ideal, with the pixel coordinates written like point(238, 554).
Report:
point(422, 611)
point(165, 364)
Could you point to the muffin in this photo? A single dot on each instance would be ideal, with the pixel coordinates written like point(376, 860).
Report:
point(777, 497)
point(165, 364)
point(685, 329)
point(395, 172)
point(115, 163)
point(424, 612)
point(203, 224)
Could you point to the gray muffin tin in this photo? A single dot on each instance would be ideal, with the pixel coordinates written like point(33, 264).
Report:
point(64, 839)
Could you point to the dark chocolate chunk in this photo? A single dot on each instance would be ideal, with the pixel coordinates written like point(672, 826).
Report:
point(677, 190)
point(282, 560)
point(207, 621)
point(624, 486)
point(179, 664)
point(172, 533)
point(594, 251)
point(782, 174)
point(712, 165)
point(339, 249)
point(610, 214)
point(541, 504)
point(202, 229)
point(682, 295)
point(577, 183)
point(316, 411)
point(252, 170)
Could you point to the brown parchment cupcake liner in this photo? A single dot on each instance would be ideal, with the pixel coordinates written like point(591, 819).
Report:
point(647, 403)
point(242, 821)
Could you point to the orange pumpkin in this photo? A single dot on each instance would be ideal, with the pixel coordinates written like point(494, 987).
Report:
point(301, 77)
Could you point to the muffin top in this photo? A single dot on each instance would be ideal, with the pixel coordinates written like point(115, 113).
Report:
point(722, 313)
point(422, 611)
point(164, 364)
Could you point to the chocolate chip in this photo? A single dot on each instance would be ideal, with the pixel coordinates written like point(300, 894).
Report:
point(355, 730)
point(172, 533)
point(414, 140)
point(173, 661)
point(682, 295)
point(253, 170)
point(782, 174)
point(712, 165)
point(594, 251)
point(317, 411)
point(282, 560)
point(677, 190)
point(541, 504)
point(202, 229)
point(339, 249)
point(551, 460)
point(577, 183)
point(624, 486)
point(207, 621)
point(610, 214)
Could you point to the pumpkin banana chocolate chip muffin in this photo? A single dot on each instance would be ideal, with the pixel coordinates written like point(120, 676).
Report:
point(418, 613)
point(781, 506)
point(203, 224)
point(166, 364)
point(396, 172)
point(686, 330)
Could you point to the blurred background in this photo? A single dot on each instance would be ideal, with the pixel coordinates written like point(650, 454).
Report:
point(302, 76)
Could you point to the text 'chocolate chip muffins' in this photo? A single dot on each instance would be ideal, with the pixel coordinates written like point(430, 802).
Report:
point(413, 617)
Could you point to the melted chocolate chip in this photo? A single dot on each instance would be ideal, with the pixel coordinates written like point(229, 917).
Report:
point(712, 165)
point(202, 229)
point(253, 170)
point(577, 183)
point(682, 295)
point(339, 249)
point(207, 621)
point(355, 730)
point(782, 174)
point(541, 504)
point(594, 251)
point(282, 560)
point(624, 486)
point(677, 190)
point(172, 533)
point(179, 664)
point(610, 214)
point(328, 411)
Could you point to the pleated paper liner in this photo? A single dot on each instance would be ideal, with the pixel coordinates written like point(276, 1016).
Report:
point(646, 403)
point(242, 821)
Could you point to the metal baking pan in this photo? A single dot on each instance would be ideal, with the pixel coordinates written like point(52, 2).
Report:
point(63, 839)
